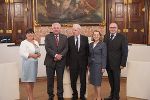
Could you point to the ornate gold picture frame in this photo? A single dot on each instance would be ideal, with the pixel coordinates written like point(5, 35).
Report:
point(69, 11)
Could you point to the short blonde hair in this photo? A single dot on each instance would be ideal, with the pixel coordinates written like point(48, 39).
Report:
point(100, 39)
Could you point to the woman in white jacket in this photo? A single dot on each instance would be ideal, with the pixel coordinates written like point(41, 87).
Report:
point(29, 51)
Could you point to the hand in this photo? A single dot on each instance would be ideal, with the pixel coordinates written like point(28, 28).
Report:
point(39, 55)
point(55, 59)
point(121, 67)
point(87, 67)
point(58, 57)
point(35, 56)
point(88, 76)
point(103, 70)
point(67, 68)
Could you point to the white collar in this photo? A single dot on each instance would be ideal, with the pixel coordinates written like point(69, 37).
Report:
point(113, 34)
point(77, 36)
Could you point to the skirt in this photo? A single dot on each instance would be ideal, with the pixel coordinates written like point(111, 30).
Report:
point(95, 74)
point(29, 70)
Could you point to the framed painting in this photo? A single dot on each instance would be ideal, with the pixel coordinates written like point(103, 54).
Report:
point(84, 12)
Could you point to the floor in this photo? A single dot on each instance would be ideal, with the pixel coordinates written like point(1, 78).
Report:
point(40, 90)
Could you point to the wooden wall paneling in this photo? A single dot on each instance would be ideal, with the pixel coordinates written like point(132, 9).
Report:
point(147, 20)
point(2, 16)
point(18, 19)
point(131, 19)
point(108, 14)
point(22, 17)
point(117, 13)
point(15, 17)
point(137, 22)
point(29, 13)
point(5, 25)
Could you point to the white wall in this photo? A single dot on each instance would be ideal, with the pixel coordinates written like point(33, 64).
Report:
point(9, 81)
point(11, 54)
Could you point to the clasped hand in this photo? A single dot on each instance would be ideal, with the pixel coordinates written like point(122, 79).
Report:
point(58, 57)
point(35, 56)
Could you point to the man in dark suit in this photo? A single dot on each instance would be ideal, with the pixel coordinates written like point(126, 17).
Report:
point(56, 46)
point(117, 50)
point(77, 61)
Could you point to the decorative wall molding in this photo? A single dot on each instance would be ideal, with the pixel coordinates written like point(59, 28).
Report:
point(86, 30)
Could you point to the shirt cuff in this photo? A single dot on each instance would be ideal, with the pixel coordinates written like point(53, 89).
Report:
point(56, 55)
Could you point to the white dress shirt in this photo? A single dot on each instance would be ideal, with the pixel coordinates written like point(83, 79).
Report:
point(113, 36)
point(75, 37)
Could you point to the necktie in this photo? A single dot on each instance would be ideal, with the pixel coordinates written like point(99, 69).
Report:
point(56, 40)
point(77, 43)
point(111, 37)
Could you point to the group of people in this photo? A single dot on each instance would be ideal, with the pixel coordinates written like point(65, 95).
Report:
point(76, 55)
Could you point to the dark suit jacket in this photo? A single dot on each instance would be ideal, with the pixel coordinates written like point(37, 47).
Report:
point(117, 51)
point(52, 49)
point(98, 54)
point(80, 56)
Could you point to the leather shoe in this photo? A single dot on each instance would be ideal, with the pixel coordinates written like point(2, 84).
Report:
point(60, 98)
point(108, 98)
point(114, 99)
point(83, 98)
point(50, 99)
point(74, 98)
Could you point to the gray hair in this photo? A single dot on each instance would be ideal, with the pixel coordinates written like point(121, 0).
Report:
point(76, 26)
point(56, 24)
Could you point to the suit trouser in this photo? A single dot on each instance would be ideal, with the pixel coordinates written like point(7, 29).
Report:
point(114, 81)
point(50, 70)
point(74, 73)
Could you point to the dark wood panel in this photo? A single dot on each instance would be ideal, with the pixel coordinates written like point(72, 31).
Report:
point(115, 5)
point(18, 10)
point(2, 16)
point(19, 0)
point(130, 18)
point(15, 17)
point(149, 25)
point(29, 13)
point(119, 9)
point(4, 22)
point(19, 19)
point(135, 10)
point(18, 30)
point(2, 1)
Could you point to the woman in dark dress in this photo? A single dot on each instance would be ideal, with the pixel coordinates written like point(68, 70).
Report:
point(97, 63)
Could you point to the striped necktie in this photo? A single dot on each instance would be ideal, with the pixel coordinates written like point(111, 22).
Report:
point(56, 40)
